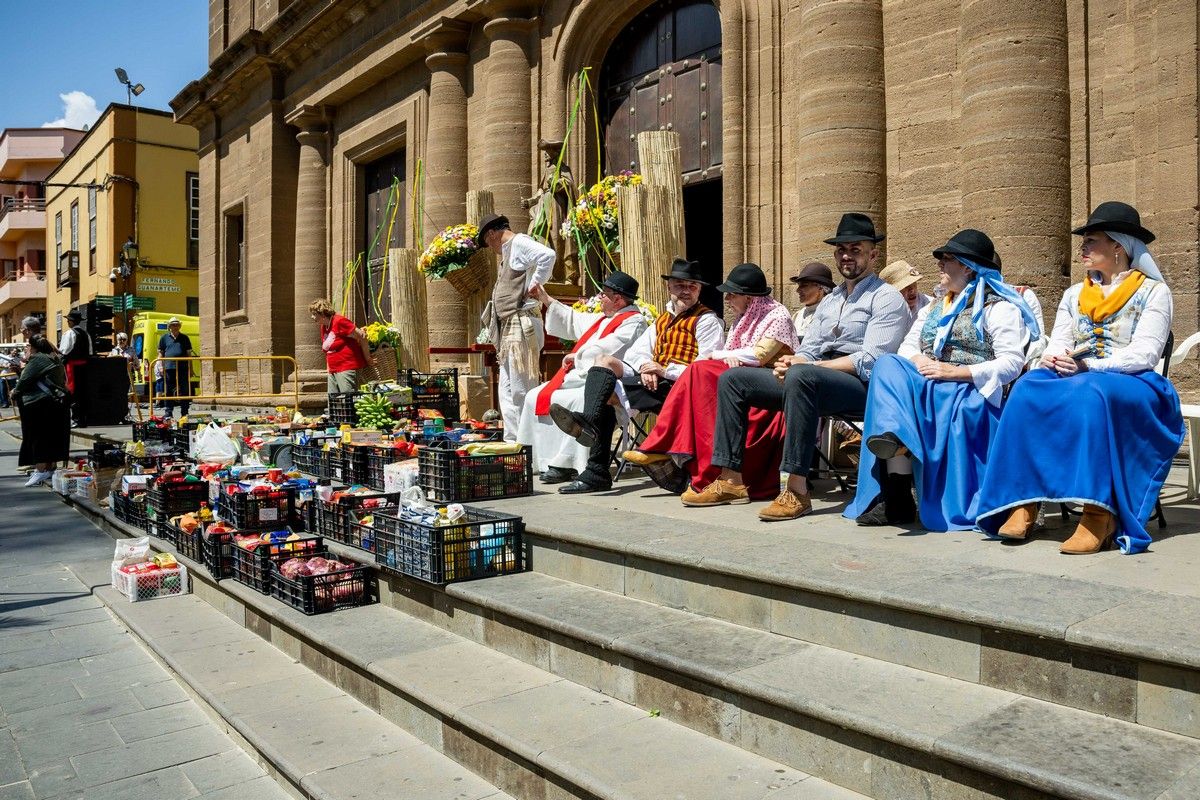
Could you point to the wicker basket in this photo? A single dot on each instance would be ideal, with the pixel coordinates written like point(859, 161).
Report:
point(384, 366)
point(473, 277)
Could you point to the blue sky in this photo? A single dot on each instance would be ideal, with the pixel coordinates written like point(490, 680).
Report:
point(71, 49)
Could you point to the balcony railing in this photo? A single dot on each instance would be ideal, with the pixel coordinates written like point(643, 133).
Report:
point(26, 274)
point(22, 204)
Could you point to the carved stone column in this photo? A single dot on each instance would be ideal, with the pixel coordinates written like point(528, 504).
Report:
point(1016, 137)
point(446, 171)
point(507, 167)
point(312, 211)
point(842, 155)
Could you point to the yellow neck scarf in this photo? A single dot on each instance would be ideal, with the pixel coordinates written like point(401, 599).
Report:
point(1096, 307)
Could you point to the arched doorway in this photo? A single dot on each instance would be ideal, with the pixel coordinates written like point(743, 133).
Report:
point(663, 72)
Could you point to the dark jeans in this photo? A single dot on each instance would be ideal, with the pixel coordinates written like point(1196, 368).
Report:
point(807, 393)
point(177, 382)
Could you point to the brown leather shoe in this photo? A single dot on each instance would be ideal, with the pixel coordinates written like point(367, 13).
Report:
point(717, 493)
point(643, 459)
point(1093, 533)
point(788, 505)
point(850, 447)
point(1019, 523)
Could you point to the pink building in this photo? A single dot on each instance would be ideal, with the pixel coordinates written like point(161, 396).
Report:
point(26, 155)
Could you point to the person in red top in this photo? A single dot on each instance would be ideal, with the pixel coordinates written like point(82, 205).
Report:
point(345, 346)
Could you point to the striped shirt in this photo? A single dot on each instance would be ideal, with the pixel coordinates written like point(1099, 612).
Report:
point(863, 325)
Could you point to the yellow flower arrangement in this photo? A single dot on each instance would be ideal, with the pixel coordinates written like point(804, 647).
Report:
point(592, 221)
point(449, 250)
point(379, 335)
point(592, 306)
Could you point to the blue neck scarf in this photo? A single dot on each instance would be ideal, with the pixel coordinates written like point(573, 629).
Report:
point(986, 277)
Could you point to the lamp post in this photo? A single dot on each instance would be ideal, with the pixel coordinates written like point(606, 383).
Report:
point(132, 90)
point(129, 260)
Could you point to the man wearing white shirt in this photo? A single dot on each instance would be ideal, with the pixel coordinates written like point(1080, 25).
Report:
point(686, 331)
point(516, 328)
point(608, 333)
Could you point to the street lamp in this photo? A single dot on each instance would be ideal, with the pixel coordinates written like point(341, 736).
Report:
point(132, 90)
point(129, 260)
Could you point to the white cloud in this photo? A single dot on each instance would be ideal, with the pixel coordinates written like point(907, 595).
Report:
point(79, 109)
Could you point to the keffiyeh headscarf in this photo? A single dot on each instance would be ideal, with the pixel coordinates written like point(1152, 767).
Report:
point(765, 318)
point(986, 277)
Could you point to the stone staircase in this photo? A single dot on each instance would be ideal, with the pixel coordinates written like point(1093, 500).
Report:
point(650, 655)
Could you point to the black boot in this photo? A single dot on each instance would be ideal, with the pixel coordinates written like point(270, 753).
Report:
point(597, 477)
point(894, 506)
point(581, 425)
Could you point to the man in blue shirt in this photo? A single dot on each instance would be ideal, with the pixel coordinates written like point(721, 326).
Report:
point(177, 376)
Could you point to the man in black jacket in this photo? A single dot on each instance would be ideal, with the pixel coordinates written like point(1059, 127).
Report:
point(75, 346)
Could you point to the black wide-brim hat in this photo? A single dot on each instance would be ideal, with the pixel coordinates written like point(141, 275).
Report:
point(488, 223)
point(746, 279)
point(684, 270)
point(1114, 215)
point(623, 284)
point(855, 227)
point(815, 272)
point(972, 244)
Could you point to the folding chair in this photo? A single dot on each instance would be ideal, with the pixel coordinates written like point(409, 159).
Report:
point(1163, 367)
point(855, 421)
point(633, 432)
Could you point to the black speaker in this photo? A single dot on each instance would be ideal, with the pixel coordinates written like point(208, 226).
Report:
point(102, 391)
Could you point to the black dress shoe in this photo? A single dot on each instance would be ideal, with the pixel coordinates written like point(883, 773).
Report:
point(886, 445)
point(582, 487)
point(558, 475)
point(573, 424)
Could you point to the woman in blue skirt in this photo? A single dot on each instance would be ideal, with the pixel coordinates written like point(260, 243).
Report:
point(933, 409)
point(1096, 425)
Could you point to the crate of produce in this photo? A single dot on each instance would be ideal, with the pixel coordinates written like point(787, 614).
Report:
point(341, 410)
point(152, 430)
point(360, 525)
point(331, 518)
point(347, 464)
point(217, 552)
point(344, 585)
point(434, 390)
point(153, 462)
point(310, 459)
point(190, 544)
point(250, 511)
point(250, 561)
point(448, 477)
point(130, 510)
point(480, 545)
point(377, 459)
point(166, 499)
point(148, 581)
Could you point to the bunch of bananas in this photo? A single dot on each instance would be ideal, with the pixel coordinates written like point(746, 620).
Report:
point(374, 411)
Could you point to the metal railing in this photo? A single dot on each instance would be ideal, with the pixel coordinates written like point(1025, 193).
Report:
point(22, 204)
point(26, 274)
point(234, 378)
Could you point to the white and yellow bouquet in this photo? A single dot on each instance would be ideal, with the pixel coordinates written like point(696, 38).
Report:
point(450, 250)
point(592, 221)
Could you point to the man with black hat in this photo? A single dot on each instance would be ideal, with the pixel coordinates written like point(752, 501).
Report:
point(859, 321)
point(525, 264)
point(608, 333)
point(686, 331)
point(75, 346)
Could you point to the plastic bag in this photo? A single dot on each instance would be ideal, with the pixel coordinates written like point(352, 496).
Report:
point(212, 445)
point(131, 551)
point(413, 498)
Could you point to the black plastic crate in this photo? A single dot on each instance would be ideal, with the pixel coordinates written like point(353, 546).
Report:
point(161, 528)
point(320, 594)
point(311, 460)
point(348, 464)
point(341, 410)
point(166, 500)
point(217, 552)
point(190, 545)
point(255, 512)
point(151, 431)
point(129, 510)
point(482, 545)
point(153, 463)
point(361, 534)
point(377, 459)
point(447, 477)
point(331, 519)
point(434, 390)
point(180, 439)
point(252, 567)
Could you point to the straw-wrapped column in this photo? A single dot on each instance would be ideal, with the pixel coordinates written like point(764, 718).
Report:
point(410, 307)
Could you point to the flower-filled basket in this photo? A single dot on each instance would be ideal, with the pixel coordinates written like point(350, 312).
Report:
point(593, 222)
point(454, 254)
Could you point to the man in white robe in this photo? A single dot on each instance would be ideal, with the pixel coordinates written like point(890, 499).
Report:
point(559, 457)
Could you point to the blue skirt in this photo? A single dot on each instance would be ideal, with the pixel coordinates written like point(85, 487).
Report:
point(947, 425)
point(1104, 438)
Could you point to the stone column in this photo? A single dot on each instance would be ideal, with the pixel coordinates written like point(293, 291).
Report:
point(1016, 137)
point(842, 156)
point(312, 210)
point(446, 173)
point(507, 167)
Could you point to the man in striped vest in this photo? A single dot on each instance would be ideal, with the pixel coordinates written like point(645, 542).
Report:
point(686, 331)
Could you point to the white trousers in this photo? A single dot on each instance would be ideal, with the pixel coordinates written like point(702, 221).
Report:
point(514, 384)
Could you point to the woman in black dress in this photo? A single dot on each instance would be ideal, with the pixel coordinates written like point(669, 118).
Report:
point(41, 394)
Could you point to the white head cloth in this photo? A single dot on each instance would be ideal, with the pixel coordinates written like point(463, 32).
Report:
point(1139, 257)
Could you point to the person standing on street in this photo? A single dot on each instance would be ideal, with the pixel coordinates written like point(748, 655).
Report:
point(41, 394)
point(345, 345)
point(177, 376)
point(75, 346)
point(512, 316)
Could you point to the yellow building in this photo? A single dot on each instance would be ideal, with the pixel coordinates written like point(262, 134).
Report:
point(122, 216)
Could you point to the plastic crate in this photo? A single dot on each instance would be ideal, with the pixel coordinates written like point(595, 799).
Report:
point(154, 463)
point(434, 390)
point(332, 519)
point(256, 512)
point(162, 529)
point(190, 545)
point(341, 409)
point(149, 431)
point(252, 567)
point(447, 477)
point(166, 500)
point(130, 510)
point(217, 552)
point(320, 594)
point(347, 465)
point(311, 460)
point(360, 534)
point(180, 439)
point(150, 585)
point(483, 545)
point(377, 459)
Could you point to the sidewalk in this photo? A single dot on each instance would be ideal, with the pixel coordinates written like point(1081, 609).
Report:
point(84, 710)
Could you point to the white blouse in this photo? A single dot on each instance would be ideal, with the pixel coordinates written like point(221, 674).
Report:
point(1009, 338)
point(1149, 337)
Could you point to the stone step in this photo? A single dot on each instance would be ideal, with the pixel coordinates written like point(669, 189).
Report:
point(309, 734)
point(517, 727)
point(942, 603)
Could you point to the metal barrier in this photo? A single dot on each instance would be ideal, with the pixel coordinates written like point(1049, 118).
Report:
point(234, 378)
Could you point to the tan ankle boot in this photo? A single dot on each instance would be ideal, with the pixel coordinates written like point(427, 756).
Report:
point(1019, 523)
point(1094, 532)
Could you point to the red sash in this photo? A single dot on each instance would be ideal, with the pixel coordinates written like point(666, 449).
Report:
point(542, 407)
